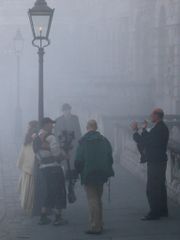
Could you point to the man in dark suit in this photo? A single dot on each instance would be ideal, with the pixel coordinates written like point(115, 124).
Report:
point(155, 144)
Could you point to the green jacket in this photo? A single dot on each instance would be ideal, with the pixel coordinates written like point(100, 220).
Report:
point(94, 159)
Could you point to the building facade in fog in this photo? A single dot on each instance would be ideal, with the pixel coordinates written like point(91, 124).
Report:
point(154, 70)
point(120, 57)
point(155, 53)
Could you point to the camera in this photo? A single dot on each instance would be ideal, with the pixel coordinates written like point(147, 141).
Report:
point(66, 139)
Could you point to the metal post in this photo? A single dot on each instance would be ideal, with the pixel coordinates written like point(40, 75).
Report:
point(18, 120)
point(40, 41)
point(18, 81)
point(41, 84)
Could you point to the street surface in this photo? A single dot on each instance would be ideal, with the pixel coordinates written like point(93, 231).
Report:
point(122, 216)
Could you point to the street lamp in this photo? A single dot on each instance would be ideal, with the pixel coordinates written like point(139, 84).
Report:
point(40, 17)
point(18, 49)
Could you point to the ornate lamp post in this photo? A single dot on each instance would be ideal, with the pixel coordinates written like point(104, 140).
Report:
point(18, 49)
point(41, 19)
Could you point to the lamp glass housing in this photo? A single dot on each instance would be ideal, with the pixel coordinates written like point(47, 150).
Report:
point(41, 19)
point(41, 26)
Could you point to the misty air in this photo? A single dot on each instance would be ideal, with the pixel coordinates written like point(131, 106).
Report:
point(90, 119)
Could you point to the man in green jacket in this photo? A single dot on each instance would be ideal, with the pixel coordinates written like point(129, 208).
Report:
point(94, 162)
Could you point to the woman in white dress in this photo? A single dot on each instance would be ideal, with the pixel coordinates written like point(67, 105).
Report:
point(26, 163)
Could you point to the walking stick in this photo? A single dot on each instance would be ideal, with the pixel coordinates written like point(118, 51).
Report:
point(109, 191)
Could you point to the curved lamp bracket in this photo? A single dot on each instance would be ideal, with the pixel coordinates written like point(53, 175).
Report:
point(43, 42)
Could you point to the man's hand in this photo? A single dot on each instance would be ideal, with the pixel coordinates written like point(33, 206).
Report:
point(145, 124)
point(134, 126)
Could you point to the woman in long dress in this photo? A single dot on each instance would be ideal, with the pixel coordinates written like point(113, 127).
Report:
point(26, 163)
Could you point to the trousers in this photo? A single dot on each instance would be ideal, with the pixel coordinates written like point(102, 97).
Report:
point(156, 187)
point(94, 196)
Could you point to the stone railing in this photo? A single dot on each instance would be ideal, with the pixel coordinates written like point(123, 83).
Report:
point(174, 170)
point(127, 154)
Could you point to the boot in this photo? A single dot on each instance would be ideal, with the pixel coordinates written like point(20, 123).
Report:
point(44, 220)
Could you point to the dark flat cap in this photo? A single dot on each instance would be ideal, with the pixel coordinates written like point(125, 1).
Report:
point(47, 120)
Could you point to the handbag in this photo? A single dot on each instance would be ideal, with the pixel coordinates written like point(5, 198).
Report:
point(71, 192)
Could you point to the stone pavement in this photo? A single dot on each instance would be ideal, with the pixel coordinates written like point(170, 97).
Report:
point(122, 216)
point(12, 220)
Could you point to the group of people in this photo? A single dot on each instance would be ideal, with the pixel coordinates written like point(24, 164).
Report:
point(49, 145)
point(52, 153)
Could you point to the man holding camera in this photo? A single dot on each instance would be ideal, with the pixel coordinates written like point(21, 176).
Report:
point(49, 157)
point(155, 144)
point(68, 123)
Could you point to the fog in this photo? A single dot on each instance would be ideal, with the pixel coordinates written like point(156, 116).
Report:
point(112, 61)
point(92, 61)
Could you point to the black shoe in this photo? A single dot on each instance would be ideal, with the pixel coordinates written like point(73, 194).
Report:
point(44, 220)
point(150, 217)
point(92, 232)
point(164, 214)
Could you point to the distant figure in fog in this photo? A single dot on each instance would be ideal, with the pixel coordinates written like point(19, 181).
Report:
point(26, 165)
point(68, 123)
point(94, 162)
point(155, 144)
